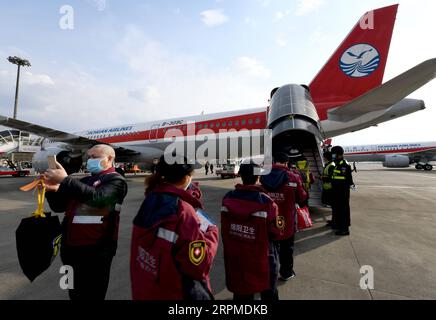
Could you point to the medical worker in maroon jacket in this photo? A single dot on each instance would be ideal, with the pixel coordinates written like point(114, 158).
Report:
point(249, 224)
point(286, 189)
point(173, 244)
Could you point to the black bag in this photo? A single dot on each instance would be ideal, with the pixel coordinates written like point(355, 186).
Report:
point(38, 241)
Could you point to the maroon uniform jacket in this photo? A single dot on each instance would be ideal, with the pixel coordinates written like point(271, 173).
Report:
point(286, 189)
point(171, 254)
point(248, 226)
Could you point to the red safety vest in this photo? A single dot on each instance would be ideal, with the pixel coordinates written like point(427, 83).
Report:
point(88, 225)
point(246, 231)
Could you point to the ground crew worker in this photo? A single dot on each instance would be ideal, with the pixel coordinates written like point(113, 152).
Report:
point(342, 180)
point(90, 228)
point(306, 175)
point(286, 189)
point(326, 178)
point(206, 167)
point(249, 224)
point(173, 246)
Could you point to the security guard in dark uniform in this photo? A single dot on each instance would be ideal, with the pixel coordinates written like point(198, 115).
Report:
point(341, 180)
point(326, 179)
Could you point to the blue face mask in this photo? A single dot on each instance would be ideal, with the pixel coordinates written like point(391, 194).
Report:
point(94, 166)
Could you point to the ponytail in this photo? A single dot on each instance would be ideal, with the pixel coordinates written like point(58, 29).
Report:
point(151, 182)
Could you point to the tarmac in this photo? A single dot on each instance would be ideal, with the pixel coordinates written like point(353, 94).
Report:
point(393, 231)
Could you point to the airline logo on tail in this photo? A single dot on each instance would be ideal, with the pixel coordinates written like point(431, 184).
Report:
point(360, 60)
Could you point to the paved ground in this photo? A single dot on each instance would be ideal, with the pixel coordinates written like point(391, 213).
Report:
point(394, 223)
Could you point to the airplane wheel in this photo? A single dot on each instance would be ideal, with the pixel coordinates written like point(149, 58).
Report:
point(428, 167)
point(419, 167)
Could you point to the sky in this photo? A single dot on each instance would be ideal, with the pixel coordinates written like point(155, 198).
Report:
point(98, 63)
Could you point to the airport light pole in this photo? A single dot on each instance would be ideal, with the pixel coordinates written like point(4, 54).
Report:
point(20, 63)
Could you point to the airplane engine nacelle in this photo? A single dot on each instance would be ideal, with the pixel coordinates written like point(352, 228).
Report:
point(71, 162)
point(396, 161)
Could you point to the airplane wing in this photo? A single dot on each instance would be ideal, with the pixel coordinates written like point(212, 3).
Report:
point(76, 141)
point(387, 94)
point(429, 155)
point(52, 134)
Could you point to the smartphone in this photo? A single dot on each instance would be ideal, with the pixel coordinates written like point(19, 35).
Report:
point(51, 162)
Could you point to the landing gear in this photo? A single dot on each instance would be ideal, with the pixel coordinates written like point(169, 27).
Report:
point(426, 167)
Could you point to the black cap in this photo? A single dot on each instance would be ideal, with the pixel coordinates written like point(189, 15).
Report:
point(247, 169)
point(338, 150)
point(178, 166)
point(281, 157)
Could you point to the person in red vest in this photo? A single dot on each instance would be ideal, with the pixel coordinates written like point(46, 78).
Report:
point(92, 207)
point(249, 224)
point(173, 241)
point(286, 189)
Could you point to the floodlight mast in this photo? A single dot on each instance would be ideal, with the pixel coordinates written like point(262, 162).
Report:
point(20, 63)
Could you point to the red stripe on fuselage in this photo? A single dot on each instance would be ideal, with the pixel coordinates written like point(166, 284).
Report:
point(392, 151)
point(241, 122)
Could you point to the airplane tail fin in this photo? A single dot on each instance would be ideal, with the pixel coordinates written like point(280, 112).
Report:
point(358, 64)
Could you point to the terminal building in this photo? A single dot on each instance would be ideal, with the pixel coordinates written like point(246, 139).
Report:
point(18, 146)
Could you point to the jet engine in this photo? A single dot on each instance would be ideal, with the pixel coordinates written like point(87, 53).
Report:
point(396, 161)
point(70, 161)
point(294, 122)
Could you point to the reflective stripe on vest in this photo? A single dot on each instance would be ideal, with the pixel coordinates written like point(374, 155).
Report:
point(326, 169)
point(88, 219)
point(260, 214)
point(337, 174)
point(167, 235)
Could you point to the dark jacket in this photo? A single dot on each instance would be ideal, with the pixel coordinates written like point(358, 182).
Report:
point(341, 174)
point(91, 196)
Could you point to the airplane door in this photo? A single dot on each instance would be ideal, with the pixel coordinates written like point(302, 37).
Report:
point(153, 133)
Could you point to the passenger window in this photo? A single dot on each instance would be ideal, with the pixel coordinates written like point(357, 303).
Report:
point(224, 124)
point(212, 125)
point(230, 123)
point(217, 124)
point(257, 120)
point(250, 121)
point(236, 123)
point(243, 122)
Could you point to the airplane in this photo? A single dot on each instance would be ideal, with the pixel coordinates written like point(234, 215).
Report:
point(347, 95)
point(396, 155)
